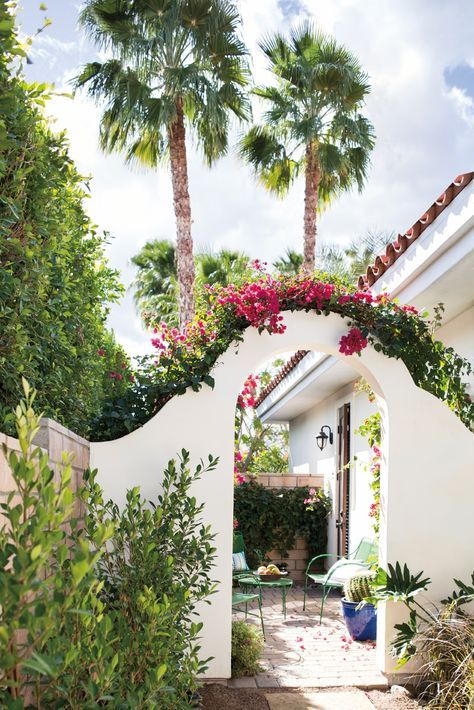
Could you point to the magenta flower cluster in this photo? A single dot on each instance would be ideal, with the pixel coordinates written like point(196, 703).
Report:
point(353, 342)
point(260, 303)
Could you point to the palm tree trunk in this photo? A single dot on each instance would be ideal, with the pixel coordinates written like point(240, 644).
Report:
point(312, 178)
point(182, 211)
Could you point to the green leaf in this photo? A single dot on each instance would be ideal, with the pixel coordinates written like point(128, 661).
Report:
point(79, 570)
point(44, 665)
point(36, 552)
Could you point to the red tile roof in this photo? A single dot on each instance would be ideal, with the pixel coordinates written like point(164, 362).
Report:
point(383, 262)
point(395, 249)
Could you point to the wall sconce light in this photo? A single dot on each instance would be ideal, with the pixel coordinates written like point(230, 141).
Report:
point(322, 438)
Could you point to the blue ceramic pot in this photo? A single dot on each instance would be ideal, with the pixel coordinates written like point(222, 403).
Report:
point(361, 623)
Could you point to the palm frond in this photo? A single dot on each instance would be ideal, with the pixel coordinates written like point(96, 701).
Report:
point(268, 156)
point(166, 53)
point(290, 263)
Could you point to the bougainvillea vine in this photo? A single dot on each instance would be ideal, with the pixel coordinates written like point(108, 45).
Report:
point(186, 358)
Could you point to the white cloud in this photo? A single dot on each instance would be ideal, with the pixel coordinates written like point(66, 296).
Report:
point(463, 103)
point(50, 49)
point(424, 133)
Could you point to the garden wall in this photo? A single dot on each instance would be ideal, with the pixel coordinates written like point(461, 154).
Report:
point(298, 557)
point(53, 438)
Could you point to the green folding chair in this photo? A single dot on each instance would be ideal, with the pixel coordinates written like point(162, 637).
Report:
point(239, 598)
point(238, 545)
point(364, 555)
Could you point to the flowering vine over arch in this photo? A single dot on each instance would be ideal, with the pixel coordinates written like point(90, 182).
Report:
point(185, 358)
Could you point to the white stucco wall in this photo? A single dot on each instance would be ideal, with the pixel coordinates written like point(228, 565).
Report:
point(458, 333)
point(305, 455)
point(426, 495)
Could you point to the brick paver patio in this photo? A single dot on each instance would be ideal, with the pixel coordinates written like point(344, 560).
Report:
point(301, 654)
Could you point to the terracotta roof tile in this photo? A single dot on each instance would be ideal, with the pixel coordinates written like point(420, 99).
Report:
point(383, 262)
point(403, 241)
point(281, 374)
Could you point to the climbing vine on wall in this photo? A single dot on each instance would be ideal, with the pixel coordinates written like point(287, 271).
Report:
point(371, 429)
point(185, 358)
point(271, 519)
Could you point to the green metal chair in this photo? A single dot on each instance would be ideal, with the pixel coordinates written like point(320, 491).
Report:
point(238, 543)
point(239, 598)
point(364, 555)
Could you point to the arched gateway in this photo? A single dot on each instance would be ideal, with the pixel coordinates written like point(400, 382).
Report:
point(427, 486)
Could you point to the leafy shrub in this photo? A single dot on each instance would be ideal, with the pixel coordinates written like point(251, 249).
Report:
point(101, 613)
point(247, 645)
point(271, 519)
point(55, 284)
point(155, 571)
point(54, 638)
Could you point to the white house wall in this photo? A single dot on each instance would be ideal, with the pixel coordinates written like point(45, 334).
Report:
point(305, 457)
point(459, 334)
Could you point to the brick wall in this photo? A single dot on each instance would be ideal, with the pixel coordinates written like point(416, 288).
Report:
point(53, 438)
point(298, 557)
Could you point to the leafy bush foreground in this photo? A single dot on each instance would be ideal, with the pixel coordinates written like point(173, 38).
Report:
point(56, 286)
point(247, 646)
point(99, 613)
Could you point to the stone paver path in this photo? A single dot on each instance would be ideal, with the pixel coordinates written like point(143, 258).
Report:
point(299, 653)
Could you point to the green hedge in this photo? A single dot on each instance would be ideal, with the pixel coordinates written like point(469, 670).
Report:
point(271, 519)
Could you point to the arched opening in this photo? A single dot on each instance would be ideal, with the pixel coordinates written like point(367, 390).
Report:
point(307, 392)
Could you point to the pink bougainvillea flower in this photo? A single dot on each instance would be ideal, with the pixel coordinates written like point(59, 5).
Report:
point(101, 352)
point(353, 342)
point(410, 309)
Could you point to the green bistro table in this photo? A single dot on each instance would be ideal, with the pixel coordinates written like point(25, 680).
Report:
point(252, 580)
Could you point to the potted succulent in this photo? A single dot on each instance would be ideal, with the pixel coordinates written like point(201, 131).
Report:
point(360, 616)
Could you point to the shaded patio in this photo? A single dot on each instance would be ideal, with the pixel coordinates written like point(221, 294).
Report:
point(299, 653)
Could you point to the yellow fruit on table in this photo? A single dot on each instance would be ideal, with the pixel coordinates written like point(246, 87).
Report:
point(262, 570)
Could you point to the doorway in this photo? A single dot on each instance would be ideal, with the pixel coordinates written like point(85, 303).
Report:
point(343, 483)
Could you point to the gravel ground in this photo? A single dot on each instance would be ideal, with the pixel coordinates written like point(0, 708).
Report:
point(218, 697)
point(391, 701)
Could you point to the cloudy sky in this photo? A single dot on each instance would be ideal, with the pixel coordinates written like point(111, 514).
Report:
point(419, 55)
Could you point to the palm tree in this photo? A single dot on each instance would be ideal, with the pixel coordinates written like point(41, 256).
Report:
point(345, 263)
point(312, 123)
point(290, 263)
point(176, 65)
point(222, 268)
point(156, 284)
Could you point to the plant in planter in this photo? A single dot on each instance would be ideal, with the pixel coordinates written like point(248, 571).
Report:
point(360, 616)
